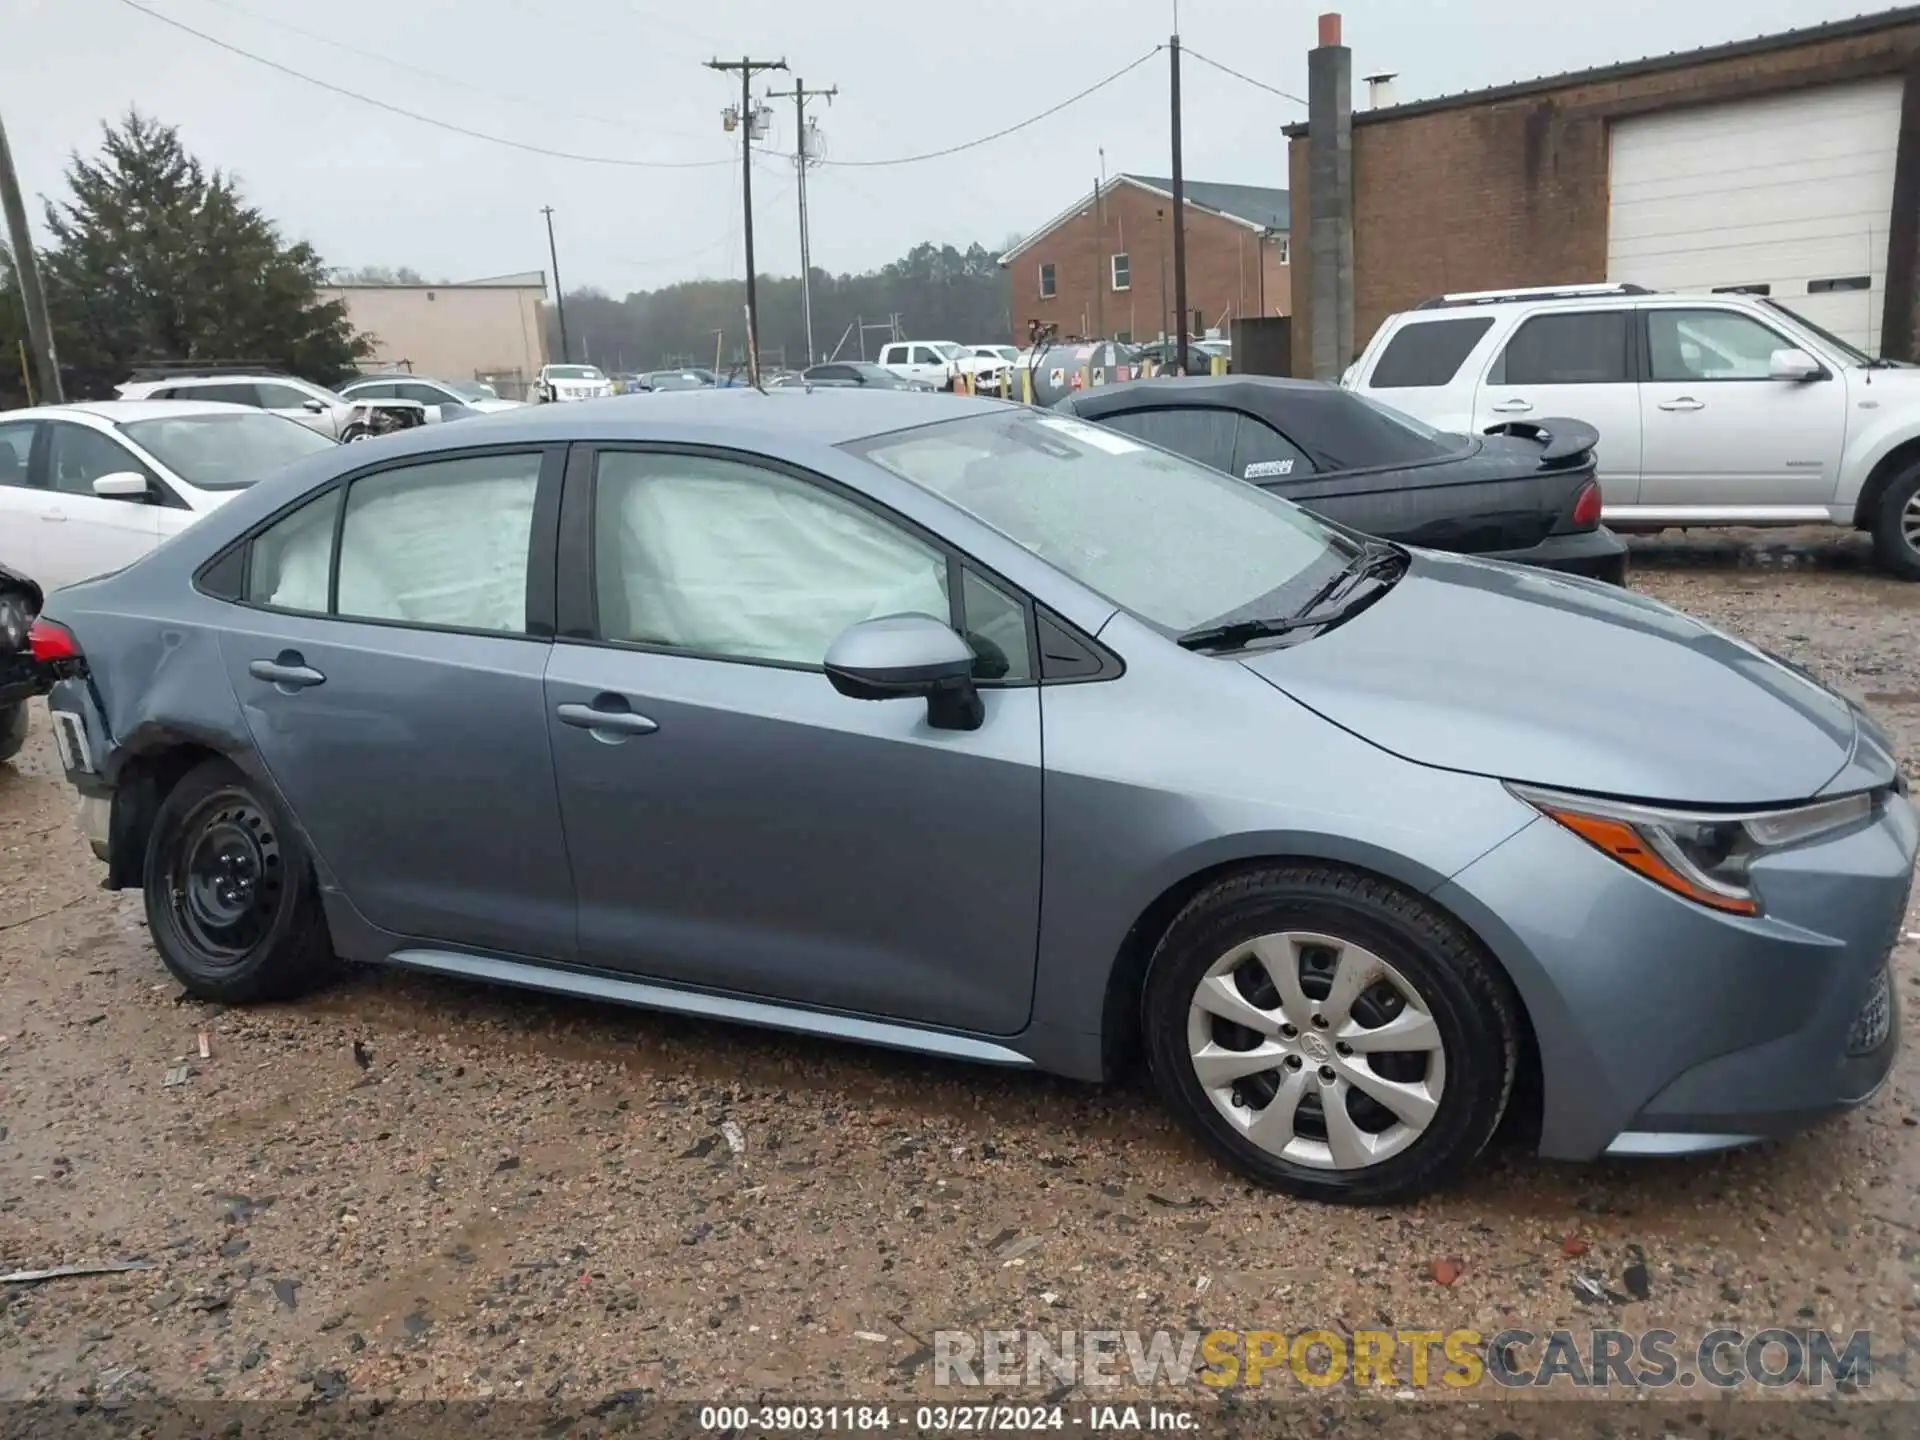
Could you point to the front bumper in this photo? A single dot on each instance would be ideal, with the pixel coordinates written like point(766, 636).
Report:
point(1666, 1028)
point(1598, 554)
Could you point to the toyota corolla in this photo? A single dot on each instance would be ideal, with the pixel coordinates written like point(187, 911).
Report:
point(977, 731)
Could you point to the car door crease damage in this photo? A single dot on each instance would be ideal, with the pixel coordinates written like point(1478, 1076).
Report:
point(910, 754)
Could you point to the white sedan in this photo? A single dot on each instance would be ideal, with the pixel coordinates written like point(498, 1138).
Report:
point(89, 488)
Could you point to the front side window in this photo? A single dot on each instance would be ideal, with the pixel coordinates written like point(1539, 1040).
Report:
point(441, 544)
point(1582, 348)
point(1174, 542)
point(1122, 271)
point(371, 390)
point(719, 558)
point(1428, 353)
point(1261, 452)
point(78, 456)
point(227, 393)
point(284, 397)
point(1710, 345)
point(224, 451)
point(1046, 282)
point(425, 394)
point(925, 355)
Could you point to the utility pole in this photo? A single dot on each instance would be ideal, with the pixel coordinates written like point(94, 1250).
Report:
point(800, 95)
point(1179, 220)
point(559, 295)
point(39, 330)
point(747, 120)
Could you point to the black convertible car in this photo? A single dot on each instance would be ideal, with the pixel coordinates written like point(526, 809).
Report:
point(1525, 492)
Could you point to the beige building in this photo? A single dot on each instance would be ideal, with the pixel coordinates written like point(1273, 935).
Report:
point(492, 329)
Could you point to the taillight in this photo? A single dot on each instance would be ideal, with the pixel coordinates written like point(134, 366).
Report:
point(50, 641)
point(1587, 504)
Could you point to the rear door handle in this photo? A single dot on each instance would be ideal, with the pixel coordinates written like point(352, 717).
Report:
point(1685, 402)
point(1512, 407)
point(287, 672)
point(607, 724)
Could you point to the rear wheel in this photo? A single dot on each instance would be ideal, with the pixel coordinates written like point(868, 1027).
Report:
point(231, 901)
point(13, 729)
point(1896, 526)
point(1330, 1035)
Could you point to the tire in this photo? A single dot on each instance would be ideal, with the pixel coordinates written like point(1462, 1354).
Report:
point(1426, 977)
point(353, 434)
point(231, 900)
point(13, 728)
point(1896, 526)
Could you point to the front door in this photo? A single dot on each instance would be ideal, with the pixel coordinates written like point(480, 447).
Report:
point(1719, 431)
point(394, 693)
point(81, 534)
point(734, 822)
point(1576, 364)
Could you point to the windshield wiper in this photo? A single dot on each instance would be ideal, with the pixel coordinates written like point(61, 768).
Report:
point(1372, 559)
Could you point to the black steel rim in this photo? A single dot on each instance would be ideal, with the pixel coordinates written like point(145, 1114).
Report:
point(225, 878)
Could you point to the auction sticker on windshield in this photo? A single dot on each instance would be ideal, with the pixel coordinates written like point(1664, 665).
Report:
point(1101, 439)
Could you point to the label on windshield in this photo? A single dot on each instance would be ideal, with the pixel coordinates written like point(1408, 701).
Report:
point(1099, 439)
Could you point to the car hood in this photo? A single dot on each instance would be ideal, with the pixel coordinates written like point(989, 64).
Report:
point(1525, 675)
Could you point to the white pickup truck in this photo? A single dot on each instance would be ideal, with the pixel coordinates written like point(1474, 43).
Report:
point(1713, 409)
point(940, 362)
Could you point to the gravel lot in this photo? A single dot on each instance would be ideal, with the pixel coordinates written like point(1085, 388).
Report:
point(410, 1189)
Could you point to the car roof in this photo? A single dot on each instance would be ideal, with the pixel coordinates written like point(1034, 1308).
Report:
point(745, 416)
point(122, 411)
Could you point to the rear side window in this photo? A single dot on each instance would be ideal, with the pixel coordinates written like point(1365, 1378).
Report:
point(1587, 348)
point(442, 544)
point(1263, 453)
point(1428, 354)
point(1205, 435)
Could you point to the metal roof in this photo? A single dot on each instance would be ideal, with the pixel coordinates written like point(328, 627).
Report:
point(1257, 207)
point(1649, 65)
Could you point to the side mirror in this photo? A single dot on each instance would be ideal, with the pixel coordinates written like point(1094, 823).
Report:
point(900, 657)
point(122, 485)
point(1795, 365)
point(313, 406)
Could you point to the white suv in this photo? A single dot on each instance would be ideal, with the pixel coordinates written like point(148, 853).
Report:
point(1713, 409)
point(314, 406)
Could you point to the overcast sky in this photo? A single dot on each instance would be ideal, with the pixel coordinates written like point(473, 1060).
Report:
point(623, 79)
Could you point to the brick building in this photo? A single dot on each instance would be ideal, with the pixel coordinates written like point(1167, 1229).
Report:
point(1104, 266)
point(1789, 162)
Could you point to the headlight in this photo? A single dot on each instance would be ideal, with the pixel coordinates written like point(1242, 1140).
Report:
point(1703, 855)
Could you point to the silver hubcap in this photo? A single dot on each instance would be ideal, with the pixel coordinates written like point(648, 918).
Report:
point(1316, 1050)
point(1910, 522)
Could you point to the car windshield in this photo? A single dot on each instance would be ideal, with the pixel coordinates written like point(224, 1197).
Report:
point(471, 389)
point(1174, 542)
point(675, 380)
point(574, 372)
point(224, 451)
point(1852, 353)
point(950, 350)
point(1347, 431)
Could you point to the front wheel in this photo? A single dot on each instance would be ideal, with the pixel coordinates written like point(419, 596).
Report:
point(1896, 527)
point(355, 433)
point(231, 902)
point(1330, 1035)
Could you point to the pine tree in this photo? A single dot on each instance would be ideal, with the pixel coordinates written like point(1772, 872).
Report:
point(158, 258)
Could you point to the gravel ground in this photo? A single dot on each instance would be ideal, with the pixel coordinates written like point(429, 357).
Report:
point(410, 1189)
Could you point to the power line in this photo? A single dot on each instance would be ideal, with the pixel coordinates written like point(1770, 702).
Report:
point(393, 109)
point(544, 106)
point(1051, 110)
point(1193, 54)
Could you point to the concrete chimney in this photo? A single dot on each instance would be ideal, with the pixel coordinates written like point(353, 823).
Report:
point(1330, 202)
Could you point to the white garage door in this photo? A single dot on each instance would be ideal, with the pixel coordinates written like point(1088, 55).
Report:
point(1792, 192)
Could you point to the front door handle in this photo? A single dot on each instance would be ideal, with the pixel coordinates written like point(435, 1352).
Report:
point(606, 724)
point(1512, 407)
point(1685, 402)
point(288, 672)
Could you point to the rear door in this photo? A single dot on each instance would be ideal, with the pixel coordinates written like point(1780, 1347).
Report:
point(1581, 364)
point(737, 824)
point(388, 650)
point(82, 534)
